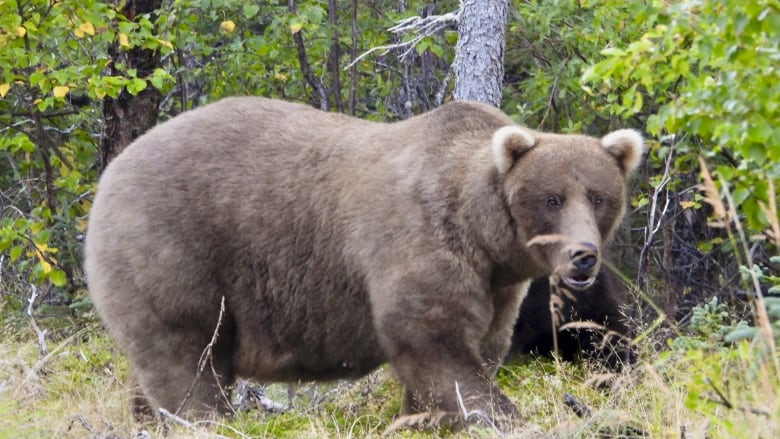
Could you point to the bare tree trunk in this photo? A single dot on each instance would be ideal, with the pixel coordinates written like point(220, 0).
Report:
point(353, 55)
point(479, 54)
point(127, 116)
point(335, 56)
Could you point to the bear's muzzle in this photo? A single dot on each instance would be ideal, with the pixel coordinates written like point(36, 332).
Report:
point(580, 273)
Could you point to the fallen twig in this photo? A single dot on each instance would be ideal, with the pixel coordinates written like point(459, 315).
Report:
point(579, 408)
point(255, 394)
point(469, 415)
point(84, 424)
point(40, 334)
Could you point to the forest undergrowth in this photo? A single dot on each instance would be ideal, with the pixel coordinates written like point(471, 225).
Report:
point(697, 387)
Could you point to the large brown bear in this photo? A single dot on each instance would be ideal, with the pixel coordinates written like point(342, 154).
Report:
point(339, 244)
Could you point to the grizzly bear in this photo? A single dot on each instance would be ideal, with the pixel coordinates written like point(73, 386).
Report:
point(606, 342)
point(337, 244)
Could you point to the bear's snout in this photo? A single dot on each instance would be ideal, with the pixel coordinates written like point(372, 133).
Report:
point(582, 267)
point(584, 257)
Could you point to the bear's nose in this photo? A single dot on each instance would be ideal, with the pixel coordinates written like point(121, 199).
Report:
point(584, 257)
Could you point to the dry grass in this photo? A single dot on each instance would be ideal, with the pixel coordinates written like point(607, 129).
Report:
point(77, 391)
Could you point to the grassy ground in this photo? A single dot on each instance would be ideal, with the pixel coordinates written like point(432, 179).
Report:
point(76, 390)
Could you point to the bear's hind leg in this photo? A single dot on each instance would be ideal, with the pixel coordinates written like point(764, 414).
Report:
point(184, 374)
point(140, 407)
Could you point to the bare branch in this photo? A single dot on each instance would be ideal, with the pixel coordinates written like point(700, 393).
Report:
point(419, 27)
point(655, 224)
point(207, 358)
point(307, 73)
point(579, 408)
point(40, 334)
point(252, 393)
point(84, 424)
point(479, 414)
point(439, 97)
point(177, 419)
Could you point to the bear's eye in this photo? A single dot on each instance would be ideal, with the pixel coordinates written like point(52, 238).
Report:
point(597, 200)
point(553, 201)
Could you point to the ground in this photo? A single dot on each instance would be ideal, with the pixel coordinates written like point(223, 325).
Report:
point(76, 390)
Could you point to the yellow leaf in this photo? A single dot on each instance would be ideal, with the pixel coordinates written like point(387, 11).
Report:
point(4, 89)
point(45, 265)
point(227, 26)
point(40, 252)
point(81, 225)
point(295, 28)
point(87, 28)
point(165, 43)
point(21, 31)
point(60, 91)
point(687, 204)
point(123, 40)
point(78, 32)
point(43, 248)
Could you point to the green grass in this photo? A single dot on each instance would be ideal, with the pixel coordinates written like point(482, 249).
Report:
point(76, 390)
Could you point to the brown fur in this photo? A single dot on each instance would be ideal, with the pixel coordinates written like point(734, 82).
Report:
point(338, 244)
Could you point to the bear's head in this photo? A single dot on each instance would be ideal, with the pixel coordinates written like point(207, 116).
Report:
point(566, 194)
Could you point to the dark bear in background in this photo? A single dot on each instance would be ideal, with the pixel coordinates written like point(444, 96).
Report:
point(601, 304)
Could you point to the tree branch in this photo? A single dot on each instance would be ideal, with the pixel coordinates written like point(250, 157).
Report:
point(40, 334)
point(353, 55)
point(306, 70)
point(206, 358)
point(420, 27)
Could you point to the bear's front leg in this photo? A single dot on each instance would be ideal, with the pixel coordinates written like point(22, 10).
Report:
point(431, 335)
point(506, 305)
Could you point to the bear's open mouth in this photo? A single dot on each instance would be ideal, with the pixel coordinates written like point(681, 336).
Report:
point(579, 282)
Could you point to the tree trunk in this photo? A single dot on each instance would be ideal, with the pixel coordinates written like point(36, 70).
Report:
point(127, 117)
point(479, 54)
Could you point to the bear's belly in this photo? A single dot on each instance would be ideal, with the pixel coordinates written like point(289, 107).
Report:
point(304, 364)
point(328, 372)
point(321, 347)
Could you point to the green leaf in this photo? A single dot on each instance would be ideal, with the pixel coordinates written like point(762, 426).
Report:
point(58, 277)
point(15, 252)
point(250, 10)
point(136, 86)
point(741, 334)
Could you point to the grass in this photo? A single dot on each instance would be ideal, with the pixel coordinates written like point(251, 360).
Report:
point(76, 390)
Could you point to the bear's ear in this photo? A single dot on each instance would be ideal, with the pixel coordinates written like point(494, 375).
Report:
point(627, 146)
point(509, 143)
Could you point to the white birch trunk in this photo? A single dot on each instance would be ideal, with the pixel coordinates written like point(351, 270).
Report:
point(479, 53)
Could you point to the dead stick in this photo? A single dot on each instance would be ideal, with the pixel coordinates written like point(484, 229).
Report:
point(40, 334)
point(204, 357)
point(579, 408)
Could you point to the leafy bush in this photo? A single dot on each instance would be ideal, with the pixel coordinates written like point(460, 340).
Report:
point(709, 327)
point(706, 70)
